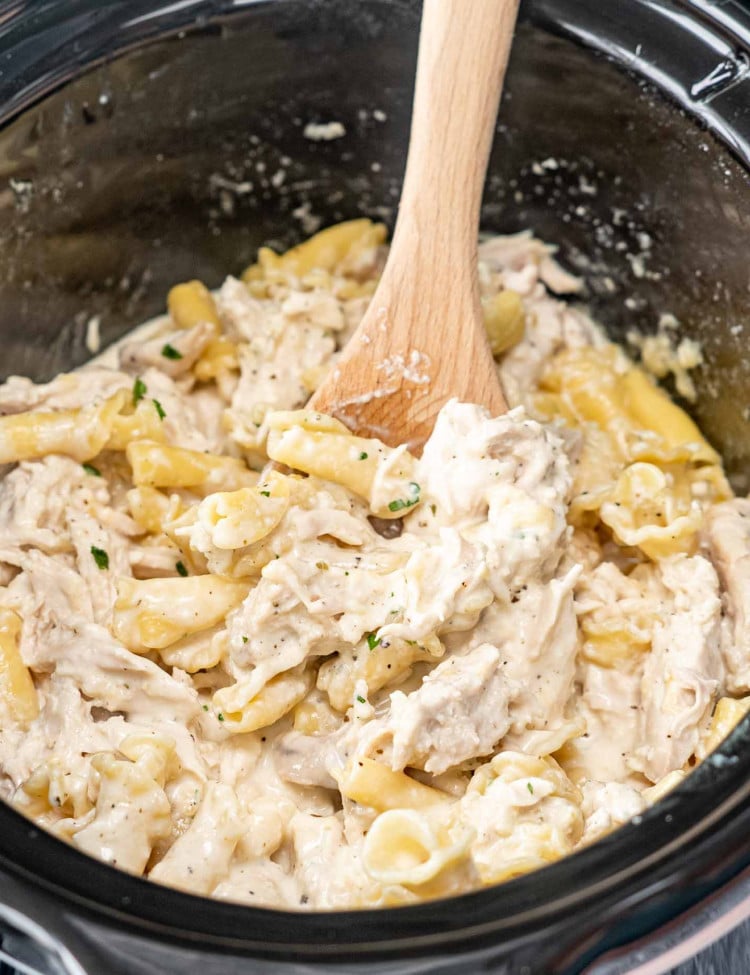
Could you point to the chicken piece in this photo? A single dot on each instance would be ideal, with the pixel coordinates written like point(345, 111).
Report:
point(155, 560)
point(538, 638)
point(275, 629)
point(188, 421)
point(262, 883)
point(285, 344)
point(607, 805)
point(65, 392)
point(684, 670)
point(101, 556)
point(37, 497)
point(174, 353)
point(442, 588)
point(470, 455)
point(58, 634)
point(307, 759)
point(610, 706)
point(501, 482)
point(48, 593)
point(727, 530)
point(58, 508)
point(314, 308)
point(199, 859)
point(460, 712)
point(328, 870)
point(540, 657)
point(65, 733)
point(521, 253)
point(99, 693)
point(241, 314)
point(112, 677)
point(123, 832)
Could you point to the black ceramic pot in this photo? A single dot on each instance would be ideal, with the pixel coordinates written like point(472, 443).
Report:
point(148, 141)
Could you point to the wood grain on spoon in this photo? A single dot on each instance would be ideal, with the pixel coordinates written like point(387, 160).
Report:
point(422, 339)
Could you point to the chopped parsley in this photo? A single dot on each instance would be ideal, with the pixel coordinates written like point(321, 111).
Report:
point(361, 699)
point(372, 641)
point(530, 787)
point(170, 352)
point(159, 408)
point(90, 469)
point(266, 494)
point(244, 639)
point(364, 455)
point(100, 557)
point(220, 716)
point(398, 504)
point(205, 707)
point(180, 566)
point(139, 391)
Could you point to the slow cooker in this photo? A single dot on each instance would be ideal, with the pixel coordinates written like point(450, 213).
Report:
point(145, 142)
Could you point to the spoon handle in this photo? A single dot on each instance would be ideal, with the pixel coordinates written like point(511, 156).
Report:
point(463, 52)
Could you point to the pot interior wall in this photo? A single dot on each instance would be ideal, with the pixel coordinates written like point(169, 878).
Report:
point(178, 159)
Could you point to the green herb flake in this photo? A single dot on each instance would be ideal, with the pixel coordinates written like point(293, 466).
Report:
point(170, 352)
point(530, 787)
point(361, 699)
point(266, 494)
point(100, 557)
point(398, 504)
point(90, 469)
point(205, 707)
point(372, 641)
point(433, 509)
point(159, 408)
point(180, 566)
point(244, 639)
point(139, 391)
point(220, 716)
point(364, 455)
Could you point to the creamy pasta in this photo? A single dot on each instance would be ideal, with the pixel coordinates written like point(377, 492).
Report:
point(356, 677)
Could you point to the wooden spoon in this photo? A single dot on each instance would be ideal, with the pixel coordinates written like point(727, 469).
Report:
point(422, 339)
